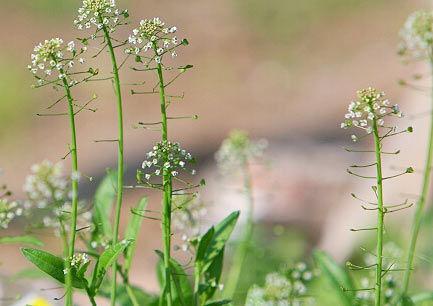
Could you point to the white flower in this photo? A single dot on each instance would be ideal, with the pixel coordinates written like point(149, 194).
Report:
point(417, 35)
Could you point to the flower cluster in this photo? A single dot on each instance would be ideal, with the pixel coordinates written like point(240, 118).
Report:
point(369, 107)
point(9, 210)
point(46, 185)
point(166, 156)
point(99, 13)
point(417, 35)
point(188, 209)
point(238, 149)
point(287, 288)
point(77, 261)
point(53, 60)
point(49, 190)
point(154, 35)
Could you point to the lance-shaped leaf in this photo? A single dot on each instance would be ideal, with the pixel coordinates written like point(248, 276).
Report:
point(21, 240)
point(107, 258)
point(132, 232)
point(339, 279)
point(102, 205)
point(52, 265)
point(219, 303)
point(221, 234)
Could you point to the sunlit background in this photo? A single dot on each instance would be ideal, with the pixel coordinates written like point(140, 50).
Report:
point(283, 70)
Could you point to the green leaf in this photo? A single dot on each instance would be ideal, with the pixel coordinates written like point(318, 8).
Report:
point(337, 277)
point(203, 244)
point(21, 240)
point(132, 231)
point(218, 303)
point(219, 239)
point(107, 258)
point(52, 265)
point(185, 42)
point(181, 287)
point(213, 275)
point(102, 206)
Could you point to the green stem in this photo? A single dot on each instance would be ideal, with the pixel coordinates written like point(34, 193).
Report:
point(91, 297)
point(417, 220)
point(380, 216)
point(120, 161)
point(197, 273)
point(242, 250)
point(74, 205)
point(167, 186)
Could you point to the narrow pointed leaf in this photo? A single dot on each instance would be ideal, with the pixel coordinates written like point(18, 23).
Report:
point(132, 232)
point(222, 233)
point(102, 206)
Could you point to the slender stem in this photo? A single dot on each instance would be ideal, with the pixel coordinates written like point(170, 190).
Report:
point(120, 161)
point(417, 220)
point(242, 250)
point(380, 216)
point(91, 297)
point(74, 206)
point(197, 272)
point(167, 189)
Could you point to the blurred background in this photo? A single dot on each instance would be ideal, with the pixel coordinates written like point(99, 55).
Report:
point(283, 70)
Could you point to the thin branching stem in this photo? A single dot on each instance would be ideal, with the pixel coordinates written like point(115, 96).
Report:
point(74, 202)
point(167, 191)
point(380, 215)
point(120, 160)
point(417, 220)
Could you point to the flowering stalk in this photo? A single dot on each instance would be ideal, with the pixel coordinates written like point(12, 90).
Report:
point(120, 161)
point(367, 113)
point(380, 212)
point(51, 64)
point(74, 206)
point(168, 159)
point(167, 187)
point(417, 35)
point(104, 15)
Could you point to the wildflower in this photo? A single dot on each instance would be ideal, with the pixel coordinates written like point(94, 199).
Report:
point(417, 35)
point(238, 149)
point(49, 190)
point(369, 106)
point(153, 34)
point(283, 288)
point(99, 13)
point(52, 59)
point(79, 260)
point(178, 160)
point(9, 210)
